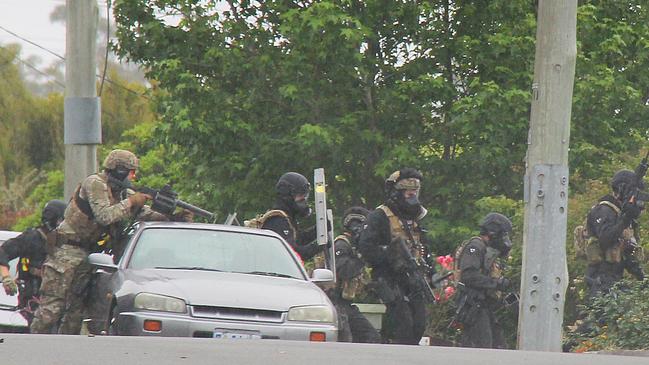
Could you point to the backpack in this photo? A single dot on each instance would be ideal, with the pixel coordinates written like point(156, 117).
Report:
point(587, 246)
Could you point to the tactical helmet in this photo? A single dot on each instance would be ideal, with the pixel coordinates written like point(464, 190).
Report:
point(623, 179)
point(52, 213)
point(404, 179)
point(121, 159)
point(352, 214)
point(292, 184)
point(496, 223)
point(396, 184)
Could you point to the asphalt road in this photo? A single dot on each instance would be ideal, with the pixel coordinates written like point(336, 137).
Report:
point(70, 350)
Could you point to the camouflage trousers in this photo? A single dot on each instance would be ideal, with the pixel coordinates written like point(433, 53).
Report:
point(66, 274)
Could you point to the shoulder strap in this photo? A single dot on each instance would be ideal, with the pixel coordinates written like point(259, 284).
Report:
point(273, 213)
point(343, 237)
point(610, 205)
point(395, 223)
point(82, 204)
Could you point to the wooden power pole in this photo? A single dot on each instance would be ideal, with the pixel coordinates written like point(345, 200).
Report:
point(544, 277)
point(82, 123)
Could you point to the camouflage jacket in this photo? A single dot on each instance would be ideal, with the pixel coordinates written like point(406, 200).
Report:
point(107, 209)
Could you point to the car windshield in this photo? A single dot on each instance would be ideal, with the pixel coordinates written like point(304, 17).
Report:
point(210, 250)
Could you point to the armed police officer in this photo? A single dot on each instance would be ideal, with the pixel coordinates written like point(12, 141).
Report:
point(97, 208)
point(351, 279)
point(481, 283)
point(612, 225)
point(290, 204)
point(31, 249)
point(391, 228)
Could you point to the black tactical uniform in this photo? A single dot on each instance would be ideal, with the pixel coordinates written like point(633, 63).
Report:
point(282, 219)
point(613, 229)
point(31, 247)
point(351, 279)
point(398, 220)
point(482, 283)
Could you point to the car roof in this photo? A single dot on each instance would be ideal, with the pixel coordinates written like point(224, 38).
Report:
point(5, 235)
point(209, 226)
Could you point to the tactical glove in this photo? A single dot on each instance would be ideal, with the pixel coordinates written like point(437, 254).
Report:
point(9, 284)
point(503, 284)
point(137, 200)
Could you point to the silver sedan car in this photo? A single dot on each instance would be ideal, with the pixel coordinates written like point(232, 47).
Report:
point(205, 280)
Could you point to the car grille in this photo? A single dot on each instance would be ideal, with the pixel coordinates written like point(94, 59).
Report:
point(241, 314)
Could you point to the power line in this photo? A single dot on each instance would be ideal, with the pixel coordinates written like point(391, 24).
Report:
point(63, 58)
point(34, 68)
point(32, 43)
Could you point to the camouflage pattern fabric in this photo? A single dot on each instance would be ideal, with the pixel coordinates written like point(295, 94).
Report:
point(63, 274)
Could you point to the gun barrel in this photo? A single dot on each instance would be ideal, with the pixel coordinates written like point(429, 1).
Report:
point(194, 209)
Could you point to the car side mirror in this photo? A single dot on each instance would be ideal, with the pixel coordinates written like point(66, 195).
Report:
point(103, 261)
point(322, 276)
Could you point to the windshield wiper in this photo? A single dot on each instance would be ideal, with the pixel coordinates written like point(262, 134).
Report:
point(267, 273)
point(8, 307)
point(186, 268)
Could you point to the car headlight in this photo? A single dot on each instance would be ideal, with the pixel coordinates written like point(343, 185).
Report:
point(162, 303)
point(315, 313)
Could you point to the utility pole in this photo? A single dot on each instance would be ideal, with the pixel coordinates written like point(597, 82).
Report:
point(82, 123)
point(544, 276)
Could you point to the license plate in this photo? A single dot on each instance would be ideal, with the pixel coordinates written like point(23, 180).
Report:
point(236, 334)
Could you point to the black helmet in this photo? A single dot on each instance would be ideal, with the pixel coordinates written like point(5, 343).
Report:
point(354, 220)
point(498, 228)
point(495, 223)
point(352, 214)
point(289, 186)
point(623, 180)
point(52, 214)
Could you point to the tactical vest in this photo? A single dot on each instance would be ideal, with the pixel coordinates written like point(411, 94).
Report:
point(593, 251)
point(351, 287)
point(490, 265)
point(412, 236)
point(260, 220)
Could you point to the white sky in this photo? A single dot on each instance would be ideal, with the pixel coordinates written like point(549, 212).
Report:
point(30, 19)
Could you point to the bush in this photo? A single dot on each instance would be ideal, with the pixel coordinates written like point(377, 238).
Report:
point(617, 320)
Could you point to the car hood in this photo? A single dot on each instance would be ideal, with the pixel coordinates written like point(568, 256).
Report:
point(225, 289)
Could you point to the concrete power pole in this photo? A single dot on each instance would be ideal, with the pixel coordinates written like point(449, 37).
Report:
point(545, 273)
point(82, 125)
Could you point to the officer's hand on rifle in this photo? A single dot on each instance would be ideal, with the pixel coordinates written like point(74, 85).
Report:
point(138, 199)
point(9, 284)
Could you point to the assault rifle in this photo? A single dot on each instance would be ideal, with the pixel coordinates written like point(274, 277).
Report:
point(165, 200)
point(416, 276)
point(638, 195)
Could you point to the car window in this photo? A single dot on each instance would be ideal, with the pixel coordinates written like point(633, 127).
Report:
point(213, 250)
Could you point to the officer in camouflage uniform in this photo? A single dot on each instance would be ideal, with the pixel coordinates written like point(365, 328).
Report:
point(395, 221)
point(613, 227)
point(481, 282)
point(95, 208)
point(351, 279)
point(291, 203)
point(31, 248)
